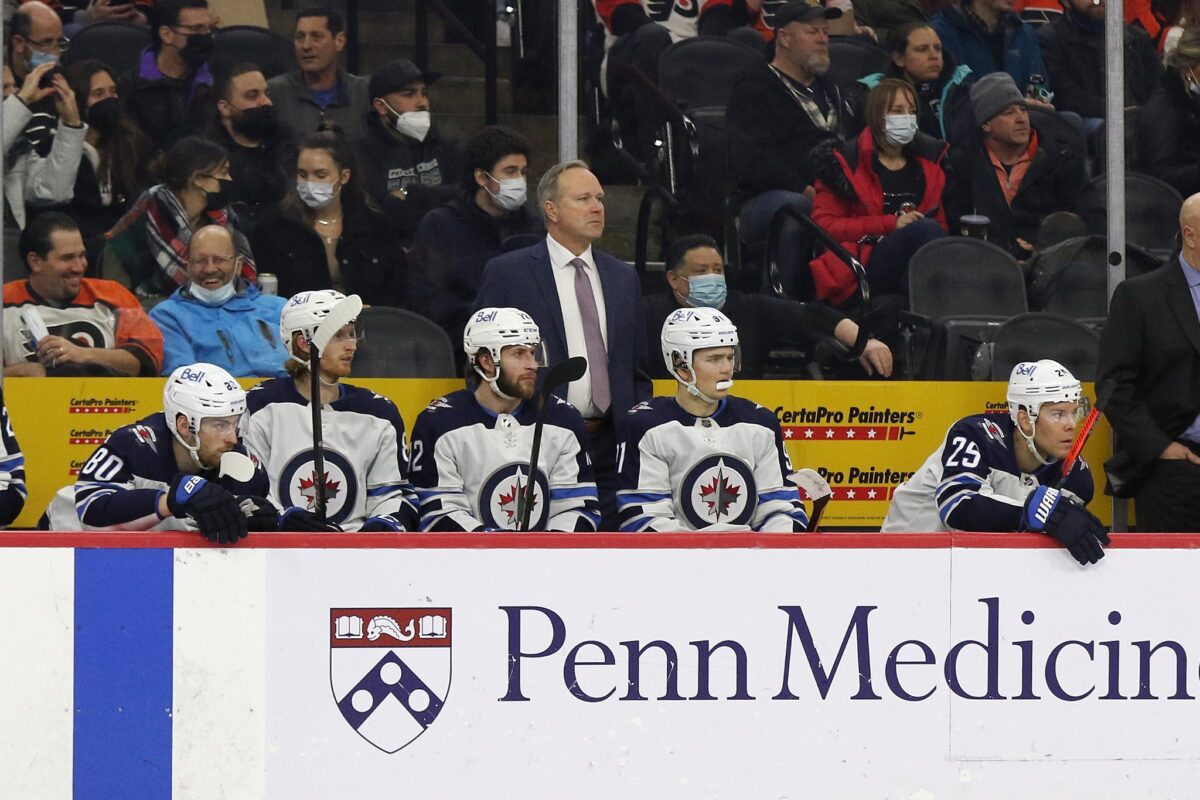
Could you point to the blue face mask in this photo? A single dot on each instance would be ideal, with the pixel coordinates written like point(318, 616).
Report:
point(37, 58)
point(707, 290)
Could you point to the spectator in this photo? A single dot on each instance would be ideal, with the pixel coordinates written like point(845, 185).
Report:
point(696, 279)
point(455, 241)
point(917, 57)
point(30, 178)
point(636, 34)
point(59, 323)
point(407, 167)
point(113, 171)
point(163, 471)
point(36, 39)
point(18, 102)
point(887, 16)
point(1168, 127)
point(586, 303)
point(1073, 48)
point(219, 318)
point(326, 233)
point(1149, 360)
point(1009, 173)
point(880, 196)
point(321, 91)
point(261, 152)
point(150, 243)
point(12, 470)
point(78, 13)
point(167, 93)
point(777, 113)
point(988, 36)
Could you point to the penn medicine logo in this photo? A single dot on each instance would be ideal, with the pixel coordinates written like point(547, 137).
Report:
point(718, 489)
point(389, 669)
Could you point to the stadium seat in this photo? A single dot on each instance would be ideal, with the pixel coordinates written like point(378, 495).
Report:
point(401, 344)
point(117, 45)
point(1071, 280)
point(239, 44)
point(960, 290)
point(1151, 211)
point(1037, 335)
point(1054, 127)
point(851, 59)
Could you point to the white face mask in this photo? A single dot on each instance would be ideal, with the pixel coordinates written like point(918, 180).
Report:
point(213, 297)
point(316, 194)
point(512, 194)
point(413, 124)
point(900, 128)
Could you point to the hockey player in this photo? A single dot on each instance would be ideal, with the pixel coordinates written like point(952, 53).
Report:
point(12, 470)
point(161, 473)
point(471, 449)
point(703, 459)
point(365, 451)
point(996, 473)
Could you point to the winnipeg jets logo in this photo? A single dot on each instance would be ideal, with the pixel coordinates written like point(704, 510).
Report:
point(298, 484)
point(389, 669)
point(308, 490)
point(719, 488)
point(438, 402)
point(992, 430)
point(146, 436)
point(502, 499)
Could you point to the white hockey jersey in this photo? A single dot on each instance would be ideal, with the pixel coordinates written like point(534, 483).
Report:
point(972, 482)
point(679, 472)
point(366, 454)
point(469, 466)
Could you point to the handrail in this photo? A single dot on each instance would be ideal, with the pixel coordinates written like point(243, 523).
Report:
point(772, 255)
point(485, 51)
point(641, 243)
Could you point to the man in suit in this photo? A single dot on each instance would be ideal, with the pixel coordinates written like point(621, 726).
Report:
point(1150, 355)
point(586, 303)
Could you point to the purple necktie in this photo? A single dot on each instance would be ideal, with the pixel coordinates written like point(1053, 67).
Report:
point(597, 356)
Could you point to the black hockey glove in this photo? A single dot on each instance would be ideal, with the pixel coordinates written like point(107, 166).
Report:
point(301, 520)
point(261, 513)
point(1049, 511)
point(384, 523)
point(214, 510)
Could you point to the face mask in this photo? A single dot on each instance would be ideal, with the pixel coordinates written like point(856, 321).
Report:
point(512, 193)
point(900, 128)
point(256, 123)
point(213, 297)
point(37, 58)
point(316, 194)
point(707, 290)
point(413, 124)
point(103, 116)
point(197, 50)
point(219, 199)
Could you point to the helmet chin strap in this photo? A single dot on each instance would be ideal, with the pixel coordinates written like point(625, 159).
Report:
point(695, 392)
point(494, 382)
point(320, 377)
point(1028, 437)
point(192, 450)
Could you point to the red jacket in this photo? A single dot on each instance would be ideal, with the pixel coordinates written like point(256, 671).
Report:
point(849, 204)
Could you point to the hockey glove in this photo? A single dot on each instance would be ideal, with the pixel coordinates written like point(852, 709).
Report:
point(385, 523)
point(301, 520)
point(214, 510)
point(1048, 511)
point(261, 513)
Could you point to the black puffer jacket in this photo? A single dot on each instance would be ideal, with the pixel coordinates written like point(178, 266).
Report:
point(1168, 135)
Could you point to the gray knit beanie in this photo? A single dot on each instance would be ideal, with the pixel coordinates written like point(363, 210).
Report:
point(993, 93)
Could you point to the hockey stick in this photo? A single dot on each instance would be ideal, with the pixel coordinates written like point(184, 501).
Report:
point(1103, 395)
point(564, 372)
point(339, 316)
point(817, 489)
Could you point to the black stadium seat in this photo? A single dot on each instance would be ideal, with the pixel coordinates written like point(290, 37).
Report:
point(117, 45)
point(239, 44)
point(401, 344)
point(851, 59)
point(1030, 337)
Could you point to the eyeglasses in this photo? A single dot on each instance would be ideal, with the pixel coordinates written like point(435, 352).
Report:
point(190, 30)
point(60, 44)
point(216, 261)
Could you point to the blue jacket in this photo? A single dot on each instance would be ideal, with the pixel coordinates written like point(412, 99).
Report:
point(241, 335)
point(964, 42)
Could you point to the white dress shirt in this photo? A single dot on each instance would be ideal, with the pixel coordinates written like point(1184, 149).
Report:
point(579, 393)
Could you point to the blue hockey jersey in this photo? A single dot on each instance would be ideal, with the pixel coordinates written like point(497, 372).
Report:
point(366, 453)
point(470, 466)
point(12, 470)
point(679, 472)
point(972, 482)
point(119, 486)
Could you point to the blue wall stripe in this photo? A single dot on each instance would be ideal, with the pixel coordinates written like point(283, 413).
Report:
point(123, 671)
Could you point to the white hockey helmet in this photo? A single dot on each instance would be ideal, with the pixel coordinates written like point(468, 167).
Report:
point(1034, 383)
point(687, 330)
point(497, 328)
point(305, 312)
point(198, 391)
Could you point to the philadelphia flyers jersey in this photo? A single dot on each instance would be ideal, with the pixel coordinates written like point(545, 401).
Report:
point(679, 472)
point(972, 482)
point(470, 465)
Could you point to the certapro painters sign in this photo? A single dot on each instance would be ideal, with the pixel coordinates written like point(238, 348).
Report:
point(864, 437)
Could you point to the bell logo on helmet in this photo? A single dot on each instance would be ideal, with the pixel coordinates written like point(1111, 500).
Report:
point(190, 375)
point(300, 299)
point(1026, 369)
point(487, 315)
